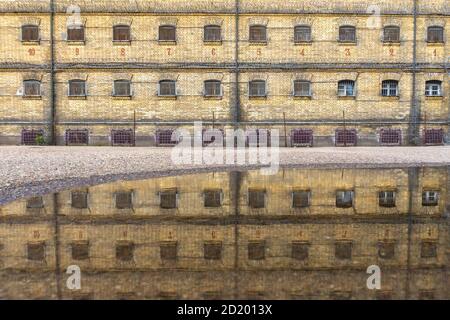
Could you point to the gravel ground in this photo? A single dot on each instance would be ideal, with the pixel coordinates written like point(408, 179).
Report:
point(29, 171)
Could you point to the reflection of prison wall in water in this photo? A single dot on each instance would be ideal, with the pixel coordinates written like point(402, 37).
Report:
point(190, 251)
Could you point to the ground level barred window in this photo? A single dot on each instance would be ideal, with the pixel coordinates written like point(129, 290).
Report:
point(31, 137)
point(347, 137)
point(390, 136)
point(433, 136)
point(77, 137)
point(343, 250)
point(122, 137)
point(80, 250)
point(302, 138)
point(164, 137)
point(257, 199)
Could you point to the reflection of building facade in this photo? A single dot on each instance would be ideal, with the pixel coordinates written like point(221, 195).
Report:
point(156, 239)
point(130, 72)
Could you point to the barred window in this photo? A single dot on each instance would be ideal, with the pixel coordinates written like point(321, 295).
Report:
point(77, 137)
point(80, 250)
point(212, 198)
point(75, 33)
point(435, 34)
point(210, 135)
point(167, 33)
point(433, 136)
point(302, 137)
point(124, 200)
point(346, 88)
point(430, 198)
point(433, 88)
point(168, 250)
point(301, 199)
point(212, 250)
point(123, 137)
point(386, 199)
point(258, 33)
point(344, 198)
point(302, 88)
point(390, 136)
point(346, 137)
point(302, 34)
point(256, 250)
point(389, 88)
point(391, 34)
point(258, 138)
point(31, 137)
point(122, 88)
point(347, 34)
point(79, 199)
point(212, 33)
point(77, 88)
point(428, 249)
point(257, 88)
point(30, 33)
point(164, 137)
point(124, 251)
point(213, 88)
point(168, 199)
point(36, 251)
point(35, 203)
point(257, 199)
point(386, 249)
point(343, 250)
point(167, 88)
point(300, 250)
point(122, 33)
point(32, 88)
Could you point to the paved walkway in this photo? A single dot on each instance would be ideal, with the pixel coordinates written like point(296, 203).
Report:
point(26, 171)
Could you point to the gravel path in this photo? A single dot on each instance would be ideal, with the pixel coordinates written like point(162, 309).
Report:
point(29, 171)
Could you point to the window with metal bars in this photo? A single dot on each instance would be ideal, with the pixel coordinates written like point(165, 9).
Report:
point(258, 33)
point(299, 250)
point(428, 249)
point(390, 136)
point(122, 88)
point(211, 135)
point(164, 137)
point(256, 250)
point(31, 137)
point(391, 34)
point(389, 88)
point(386, 199)
point(212, 250)
point(77, 137)
point(121, 33)
point(347, 34)
point(256, 199)
point(35, 203)
point(124, 137)
point(344, 198)
point(386, 249)
point(75, 33)
point(32, 88)
point(125, 251)
point(36, 251)
point(302, 137)
point(257, 88)
point(346, 137)
point(433, 88)
point(346, 88)
point(30, 33)
point(430, 198)
point(124, 200)
point(258, 138)
point(167, 33)
point(80, 250)
point(168, 250)
point(77, 88)
point(343, 250)
point(212, 198)
point(79, 199)
point(433, 136)
point(167, 88)
point(168, 199)
point(435, 34)
point(301, 199)
point(302, 88)
point(212, 33)
point(213, 88)
point(302, 34)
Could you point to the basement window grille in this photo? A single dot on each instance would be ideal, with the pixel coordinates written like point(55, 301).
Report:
point(77, 88)
point(302, 137)
point(256, 250)
point(301, 199)
point(258, 33)
point(212, 198)
point(124, 200)
point(347, 34)
point(30, 33)
point(257, 199)
point(167, 33)
point(435, 34)
point(77, 137)
point(30, 137)
point(433, 88)
point(209, 136)
point(168, 250)
point(212, 33)
point(389, 88)
point(302, 34)
point(433, 136)
point(125, 251)
point(122, 137)
point(386, 249)
point(79, 200)
point(258, 138)
point(386, 199)
point(346, 137)
point(168, 199)
point(430, 198)
point(343, 250)
point(164, 137)
point(75, 33)
point(36, 251)
point(80, 250)
point(212, 250)
point(32, 88)
point(213, 88)
point(35, 203)
point(391, 34)
point(122, 33)
point(428, 249)
point(300, 250)
point(390, 136)
point(344, 198)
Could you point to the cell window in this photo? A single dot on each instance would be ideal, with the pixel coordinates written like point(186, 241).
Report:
point(32, 137)
point(122, 88)
point(343, 250)
point(167, 88)
point(257, 199)
point(433, 137)
point(124, 200)
point(386, 249)
point(256, 250)
point(301, 199)
point(391, 34)
point(347, 137)
point(433, 88)
point(35, 203)
point(80, 250)
point(212, 250)
point(428, 249)
point(213, 88)
point(302, 34)
point(347, 34)
point(167, 33)
point(31, 88)
point(257, 88)
point(212, 198)
point(79, 199)
point(75, 33)
point(383, 295)
point(389, 88)
point(344, 198)
point(212, 33)
point(36, 251)
point(391, 137)
point(30, 33)
point(77, 88)
point(430, 198)
point(435, 34)
point(77, 137)
point(122, 137)
point(258, 33)
point(164, 137)
point(300, 250)
point(346, 88)
point(302, 88)
point(168, 199)
point(168, 250)
point(386, 199)
point(125, 251)
point(302, 138)
point(121, 33)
